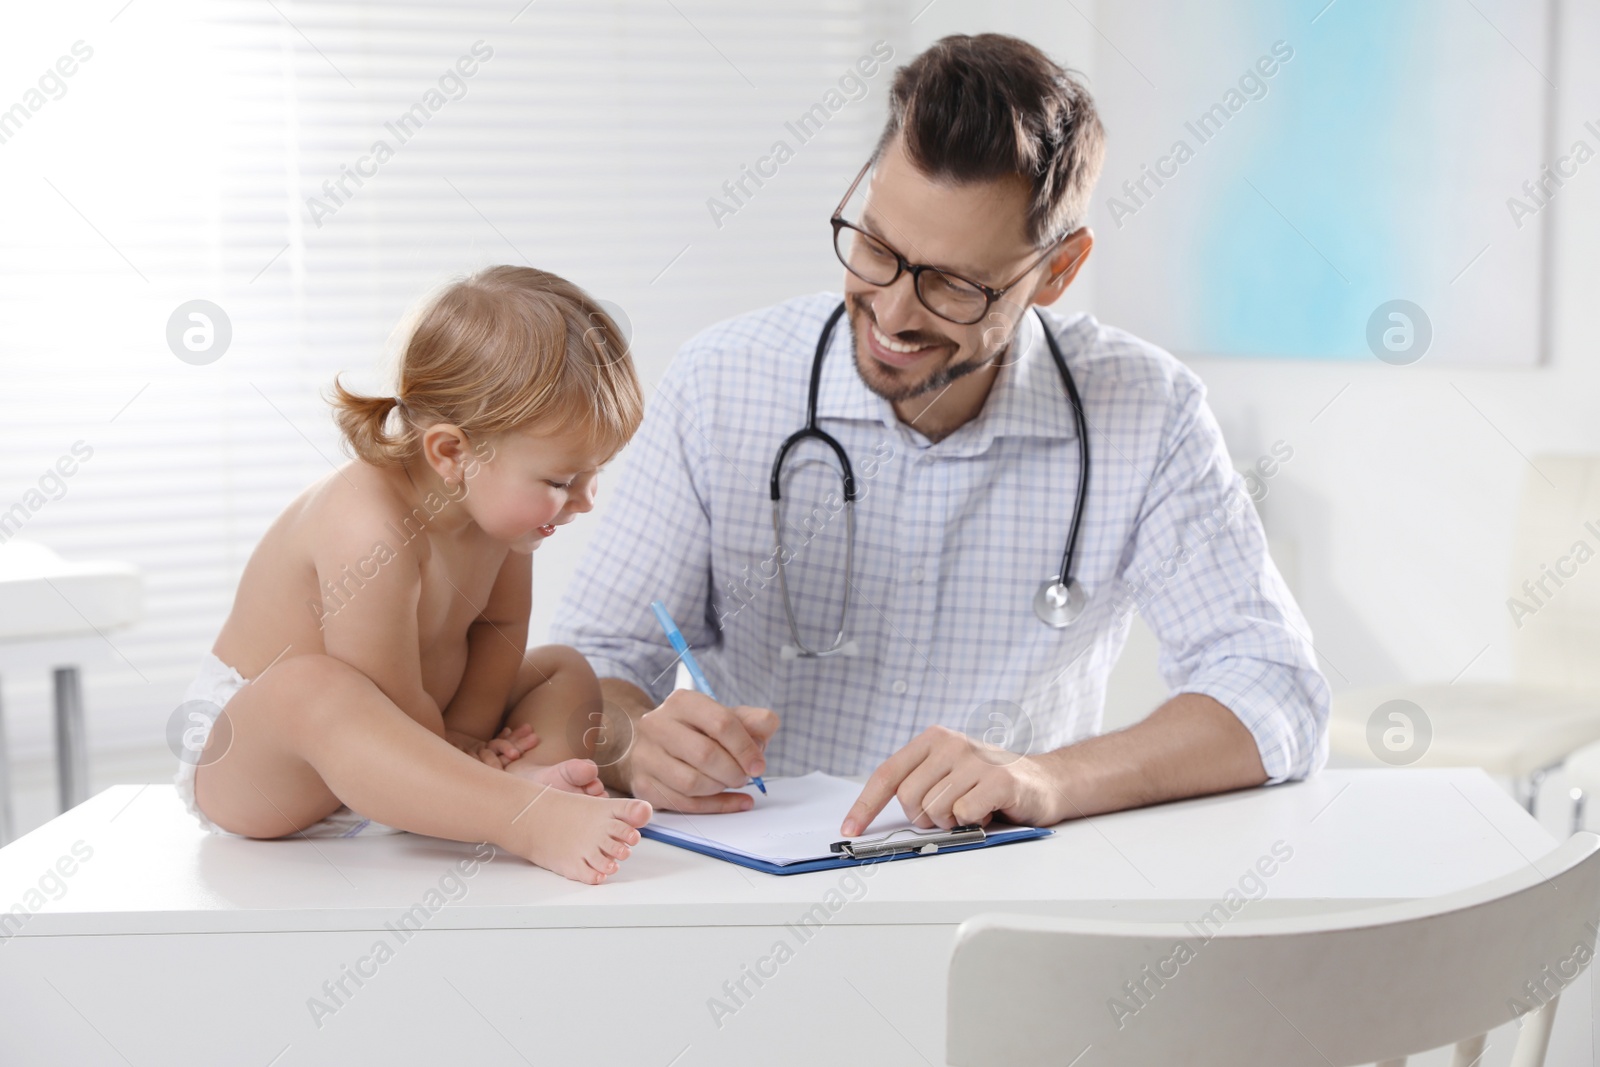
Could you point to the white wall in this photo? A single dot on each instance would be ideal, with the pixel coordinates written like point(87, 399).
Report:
point(1402, 495)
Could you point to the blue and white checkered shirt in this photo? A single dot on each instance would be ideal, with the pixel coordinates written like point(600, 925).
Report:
point(953, 539)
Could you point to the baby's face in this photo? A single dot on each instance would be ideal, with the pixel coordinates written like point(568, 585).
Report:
point(531, 484)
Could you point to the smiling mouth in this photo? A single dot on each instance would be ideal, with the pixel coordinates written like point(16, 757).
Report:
point(889, 343)
point(894, 353)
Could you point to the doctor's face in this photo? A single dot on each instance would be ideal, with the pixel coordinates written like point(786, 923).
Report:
point(975, 230)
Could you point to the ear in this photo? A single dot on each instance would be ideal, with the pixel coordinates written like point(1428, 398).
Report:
point(1064, 265)
point(447, 451)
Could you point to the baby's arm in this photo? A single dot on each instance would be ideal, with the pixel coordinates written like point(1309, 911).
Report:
point(375, 628)
point(496, 642)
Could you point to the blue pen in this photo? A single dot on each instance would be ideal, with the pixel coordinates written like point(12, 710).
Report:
point(695, 673)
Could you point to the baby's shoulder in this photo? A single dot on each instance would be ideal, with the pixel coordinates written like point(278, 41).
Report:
point(356, 512)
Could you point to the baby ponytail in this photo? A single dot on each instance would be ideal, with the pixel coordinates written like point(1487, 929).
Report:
point(364, 421)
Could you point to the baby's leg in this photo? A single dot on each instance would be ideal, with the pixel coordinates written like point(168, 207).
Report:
point(313, 732)
point(557, 694)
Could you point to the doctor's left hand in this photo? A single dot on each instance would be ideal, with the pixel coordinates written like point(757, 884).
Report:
point(945, 778)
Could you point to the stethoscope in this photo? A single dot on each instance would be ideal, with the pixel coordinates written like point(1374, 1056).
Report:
point(1060, 599)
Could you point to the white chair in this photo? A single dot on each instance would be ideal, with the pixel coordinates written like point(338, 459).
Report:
point(1334, 990)
point(44, 597)
point(1583, 775)
point(1526, 728)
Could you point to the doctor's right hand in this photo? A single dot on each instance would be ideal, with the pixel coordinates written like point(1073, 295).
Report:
point(690, 751)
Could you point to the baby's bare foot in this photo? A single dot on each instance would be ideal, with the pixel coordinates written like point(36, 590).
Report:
point(569, 776)
point(579, 837)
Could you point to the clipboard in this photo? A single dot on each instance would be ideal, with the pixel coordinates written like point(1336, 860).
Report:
point(786, 832)
point(929, 845)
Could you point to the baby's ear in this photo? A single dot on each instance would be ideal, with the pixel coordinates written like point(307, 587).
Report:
point(446, 450)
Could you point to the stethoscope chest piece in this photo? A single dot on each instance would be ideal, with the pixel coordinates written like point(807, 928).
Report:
point(1059, 604)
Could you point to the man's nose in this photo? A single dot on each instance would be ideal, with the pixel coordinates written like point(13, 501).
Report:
point(897, 308)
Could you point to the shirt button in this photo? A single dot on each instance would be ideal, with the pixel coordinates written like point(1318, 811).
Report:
point(916, 574)
point(899, 686)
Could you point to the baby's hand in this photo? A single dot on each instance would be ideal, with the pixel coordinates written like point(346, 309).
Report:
point(506, 748)
point(512, 744)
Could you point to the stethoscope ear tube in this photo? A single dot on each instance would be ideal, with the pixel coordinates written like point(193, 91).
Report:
point(810, 433)
point(1061, 600)
point(1081, 423)
point(839, 646)
point(811, 430)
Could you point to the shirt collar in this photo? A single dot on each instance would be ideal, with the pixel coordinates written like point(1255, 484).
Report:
point(843, 395)
point(1028, 398)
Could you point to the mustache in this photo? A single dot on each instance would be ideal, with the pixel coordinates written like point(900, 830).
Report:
point(907, 337)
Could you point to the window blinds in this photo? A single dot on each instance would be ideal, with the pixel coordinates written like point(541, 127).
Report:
point(311, 169)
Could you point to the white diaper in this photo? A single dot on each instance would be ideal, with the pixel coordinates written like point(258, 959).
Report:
point(210, 692)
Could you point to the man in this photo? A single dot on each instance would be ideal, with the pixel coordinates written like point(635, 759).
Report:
point(946, 679)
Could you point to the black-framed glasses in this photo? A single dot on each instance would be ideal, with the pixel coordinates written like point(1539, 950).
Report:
point(949, 296)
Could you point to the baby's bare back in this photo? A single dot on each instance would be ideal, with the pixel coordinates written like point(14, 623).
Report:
point(333, 562)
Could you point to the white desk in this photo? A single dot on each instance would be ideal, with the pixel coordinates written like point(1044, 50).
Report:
point(155, 953)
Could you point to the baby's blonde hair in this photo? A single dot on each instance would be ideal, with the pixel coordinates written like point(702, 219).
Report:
point(506, 348)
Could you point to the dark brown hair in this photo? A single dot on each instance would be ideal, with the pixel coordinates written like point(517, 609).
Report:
point(974, 109)
point(507, 348)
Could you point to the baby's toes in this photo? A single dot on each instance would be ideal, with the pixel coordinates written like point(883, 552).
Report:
point(616, 850)
point(602, 865)
point(633, 812)
point(580, 773)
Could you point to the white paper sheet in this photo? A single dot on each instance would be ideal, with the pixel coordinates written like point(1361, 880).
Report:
point(796, 821)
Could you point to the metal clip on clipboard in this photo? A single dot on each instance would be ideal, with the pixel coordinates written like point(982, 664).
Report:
point(923, 842)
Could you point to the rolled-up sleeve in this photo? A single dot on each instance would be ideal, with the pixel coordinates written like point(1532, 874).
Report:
point(654, 543)
point(1199, 570)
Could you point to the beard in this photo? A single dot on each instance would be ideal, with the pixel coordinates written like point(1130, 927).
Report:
point(889, 382)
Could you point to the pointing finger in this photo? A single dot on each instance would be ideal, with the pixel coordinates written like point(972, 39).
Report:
point(882, 786)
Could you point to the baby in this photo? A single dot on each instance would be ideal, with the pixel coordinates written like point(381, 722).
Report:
point(374, 660)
